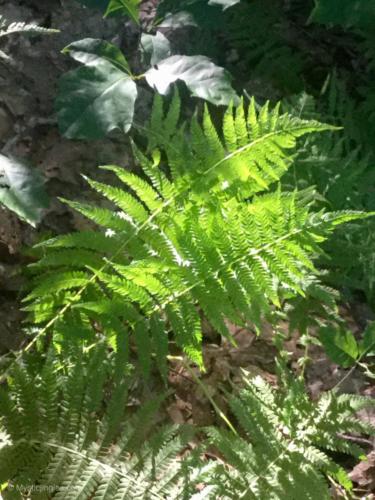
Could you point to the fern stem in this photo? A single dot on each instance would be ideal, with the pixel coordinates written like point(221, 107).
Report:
point(338, 487)
point(210, 398)
point(305, 358)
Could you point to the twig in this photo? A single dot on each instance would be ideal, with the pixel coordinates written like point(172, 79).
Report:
point(210, 398)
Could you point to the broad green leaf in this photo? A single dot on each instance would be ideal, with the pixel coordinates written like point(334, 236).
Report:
point(98, 97)
point(340, 345)
point(224, 3)
point(155, 48)
point(22, 190)
point(178, 20)
point(128, 7)
point(358, 13)
point(90, 51)
point(202, 77)
point(207, 16)
point(368, 342)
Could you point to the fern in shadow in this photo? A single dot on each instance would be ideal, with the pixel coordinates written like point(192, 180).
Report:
point(68, 431)
point(284, 450)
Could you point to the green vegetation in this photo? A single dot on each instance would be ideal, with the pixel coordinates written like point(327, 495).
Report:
point(253, 211)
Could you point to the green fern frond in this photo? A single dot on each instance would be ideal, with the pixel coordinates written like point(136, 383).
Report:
point(86, 445)
point(57, 282)
point(283, 454)
point(193, 235)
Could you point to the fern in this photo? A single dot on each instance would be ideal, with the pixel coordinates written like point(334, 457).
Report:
point(348, 13)
point(7, 28)
point(260, 33)
point(341, 166)
point(288, 439)
point(195, 234)
point(357, 17)
point(318, 304)
point(69, 434)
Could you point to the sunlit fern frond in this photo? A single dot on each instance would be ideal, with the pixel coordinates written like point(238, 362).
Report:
point(286, 444)
point(194, 235)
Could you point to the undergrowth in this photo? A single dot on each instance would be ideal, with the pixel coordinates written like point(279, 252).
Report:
point(228, 220)
point(69, 431)
point(168, 249)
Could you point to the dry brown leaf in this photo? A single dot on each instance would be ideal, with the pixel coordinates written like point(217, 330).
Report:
point(364, 472)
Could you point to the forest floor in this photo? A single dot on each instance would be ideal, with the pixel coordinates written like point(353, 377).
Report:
point(28, 130)
point(29, 72)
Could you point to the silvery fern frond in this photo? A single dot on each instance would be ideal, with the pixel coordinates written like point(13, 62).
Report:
point(284, 450)
point(9, 28)
point(70, 434)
